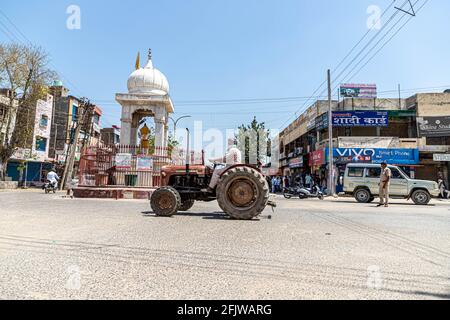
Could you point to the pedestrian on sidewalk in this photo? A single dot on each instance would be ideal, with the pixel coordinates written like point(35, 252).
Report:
point(274, 184)
point(308, 181)
point(385, 182)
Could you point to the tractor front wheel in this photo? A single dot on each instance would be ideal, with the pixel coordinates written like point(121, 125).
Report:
point(165, 202)
point(243, 193)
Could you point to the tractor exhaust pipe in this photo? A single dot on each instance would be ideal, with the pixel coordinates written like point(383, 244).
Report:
point(188, 158)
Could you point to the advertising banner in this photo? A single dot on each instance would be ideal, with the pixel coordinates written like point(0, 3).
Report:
point(123, 160)
point(361, 119)
point(144, 163)
point(359, 91)
point(434, 126)
point(376, 156)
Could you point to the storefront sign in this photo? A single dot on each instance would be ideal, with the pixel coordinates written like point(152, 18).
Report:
point(296, 163)
point(271, 172)
point(317, 158)
point(322, 122)
point(361, 119)
point(434, 126)
point(441, 157)
point(368, 142)
point(144, 163)
point(358, 91)
point(376, 156)
point(123, 160)
point(311, 124)
point(402, 113)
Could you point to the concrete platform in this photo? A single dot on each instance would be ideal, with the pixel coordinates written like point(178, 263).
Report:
point(8, 185)
point(113, 193)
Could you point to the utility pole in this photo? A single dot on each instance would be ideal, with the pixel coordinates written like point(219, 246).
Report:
point(83, 115)
point(331, 186)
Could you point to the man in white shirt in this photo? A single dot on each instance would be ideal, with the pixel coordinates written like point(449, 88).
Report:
point(53, 178)
point(232, 157)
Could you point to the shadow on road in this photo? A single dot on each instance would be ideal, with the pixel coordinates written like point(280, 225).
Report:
point(206, 216)
point(390, 204)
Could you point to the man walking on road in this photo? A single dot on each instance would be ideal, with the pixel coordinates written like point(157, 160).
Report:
point(385, 181)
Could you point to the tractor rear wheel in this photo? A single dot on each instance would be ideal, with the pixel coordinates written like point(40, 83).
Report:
point(165, 201)
point(186, 205)
point(243, 193)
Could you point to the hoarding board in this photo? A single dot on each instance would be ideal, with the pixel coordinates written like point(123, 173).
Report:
point(368, 91)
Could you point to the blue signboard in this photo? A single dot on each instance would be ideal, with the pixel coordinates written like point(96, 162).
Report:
point(361, 119)
point(376, 156)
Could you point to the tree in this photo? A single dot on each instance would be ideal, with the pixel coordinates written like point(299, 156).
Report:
point(254, 140)
point(23, 70)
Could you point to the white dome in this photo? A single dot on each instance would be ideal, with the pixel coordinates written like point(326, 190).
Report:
point(148, 80)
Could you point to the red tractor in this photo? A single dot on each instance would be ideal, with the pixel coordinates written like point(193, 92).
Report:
point(242, 191)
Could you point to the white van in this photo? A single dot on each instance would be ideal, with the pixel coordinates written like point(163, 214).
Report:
point(362, 181)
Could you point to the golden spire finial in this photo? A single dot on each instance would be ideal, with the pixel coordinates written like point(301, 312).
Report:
point(138, 61)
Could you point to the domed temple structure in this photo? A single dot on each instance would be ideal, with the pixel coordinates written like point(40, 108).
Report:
point(148, 96)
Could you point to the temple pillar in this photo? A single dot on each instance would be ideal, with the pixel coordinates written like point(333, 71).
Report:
point(159, 133)
point(125, 132)
point(166, 135)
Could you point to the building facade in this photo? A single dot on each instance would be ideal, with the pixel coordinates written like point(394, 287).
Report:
point(65, 121)
point(30, 162)
point(371, 130)
point(110, 136)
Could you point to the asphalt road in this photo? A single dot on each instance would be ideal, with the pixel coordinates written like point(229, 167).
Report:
point(55, 248)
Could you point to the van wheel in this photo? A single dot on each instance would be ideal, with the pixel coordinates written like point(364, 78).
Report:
point(421, 197)
point(363, 196)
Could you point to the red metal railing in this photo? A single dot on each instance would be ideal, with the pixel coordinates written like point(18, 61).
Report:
point(129, 166)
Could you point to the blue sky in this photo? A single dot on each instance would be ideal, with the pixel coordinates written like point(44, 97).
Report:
point(230, 49)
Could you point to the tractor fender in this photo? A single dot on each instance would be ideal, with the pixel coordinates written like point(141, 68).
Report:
point(239, 166)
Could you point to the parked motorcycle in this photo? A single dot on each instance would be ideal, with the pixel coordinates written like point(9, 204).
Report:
point(314, 192)
point(291, 192)
point(50, 187)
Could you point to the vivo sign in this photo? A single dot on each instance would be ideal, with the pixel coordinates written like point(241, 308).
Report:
point(355, 152)
point(377, 156)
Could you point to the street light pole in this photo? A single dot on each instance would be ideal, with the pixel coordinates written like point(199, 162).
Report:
point(175, 122)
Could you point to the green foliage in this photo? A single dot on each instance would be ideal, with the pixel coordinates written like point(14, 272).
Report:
point(23, 70)
point(254, 140)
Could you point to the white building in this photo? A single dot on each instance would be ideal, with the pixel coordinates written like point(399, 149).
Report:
point(5, 116)
point(41, 133)
point(148, 96)
point(42, 129)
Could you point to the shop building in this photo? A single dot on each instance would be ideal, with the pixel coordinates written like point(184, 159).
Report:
point(399, 131)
